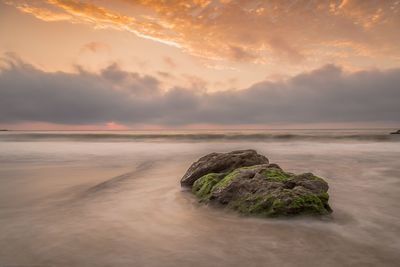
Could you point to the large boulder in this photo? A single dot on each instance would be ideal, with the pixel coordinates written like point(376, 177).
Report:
point(263, 190)
point(221, 163)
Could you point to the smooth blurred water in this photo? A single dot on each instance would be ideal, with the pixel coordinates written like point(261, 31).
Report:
point(117, 202)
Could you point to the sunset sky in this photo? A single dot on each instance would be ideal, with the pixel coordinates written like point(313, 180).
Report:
point(147, 64)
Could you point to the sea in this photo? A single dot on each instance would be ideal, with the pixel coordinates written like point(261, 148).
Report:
point(113, 198)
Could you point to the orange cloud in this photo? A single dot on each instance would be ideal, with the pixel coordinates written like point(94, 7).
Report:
point(246, 31)
point(43, 13)
point(95, 47)
point(170, 62)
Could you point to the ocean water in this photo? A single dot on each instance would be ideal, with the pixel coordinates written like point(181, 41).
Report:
point(114, 199)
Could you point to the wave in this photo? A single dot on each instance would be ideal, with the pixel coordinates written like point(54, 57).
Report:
point(112, 182)
point(156, 137)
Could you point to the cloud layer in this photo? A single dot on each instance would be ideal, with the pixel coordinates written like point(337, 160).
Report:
point(326, 95)
point(247, 30)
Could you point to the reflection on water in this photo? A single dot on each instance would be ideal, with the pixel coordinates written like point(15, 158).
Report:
point(120, 204)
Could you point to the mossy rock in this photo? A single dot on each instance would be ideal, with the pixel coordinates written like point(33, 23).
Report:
point(265, 190)
point(276, 175)
point(202, 187)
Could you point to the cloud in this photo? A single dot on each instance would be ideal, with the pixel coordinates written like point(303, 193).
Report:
point(327, 95)
point(239, 54)
point(95, 47)
point(170, 62)
point(44, 13)
point(251, 30)
point(134, 83)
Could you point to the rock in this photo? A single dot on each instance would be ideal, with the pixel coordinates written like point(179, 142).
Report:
point(221, 163)
point(396, 132)
point(262, 189)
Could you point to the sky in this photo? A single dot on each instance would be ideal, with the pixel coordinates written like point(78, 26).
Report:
point(154, 64)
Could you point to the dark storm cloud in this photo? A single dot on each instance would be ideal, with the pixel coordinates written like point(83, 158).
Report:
point(324, 95)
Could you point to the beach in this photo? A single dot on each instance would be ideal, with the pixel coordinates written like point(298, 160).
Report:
point(114, 199)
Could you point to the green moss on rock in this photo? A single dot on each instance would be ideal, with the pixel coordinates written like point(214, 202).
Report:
point(252, 204)
point(226, 179)
point(203, 186)
point(283, 204)
point(265, 190)
point(276, 175)
point(324, 197)
point(307, 204)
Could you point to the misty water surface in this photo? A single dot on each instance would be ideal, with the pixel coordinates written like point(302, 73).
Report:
point(118, 202)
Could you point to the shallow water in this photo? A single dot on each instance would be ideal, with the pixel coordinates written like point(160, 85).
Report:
point(106, 203)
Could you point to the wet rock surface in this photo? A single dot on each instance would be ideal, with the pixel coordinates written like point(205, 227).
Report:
point(255, 187)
